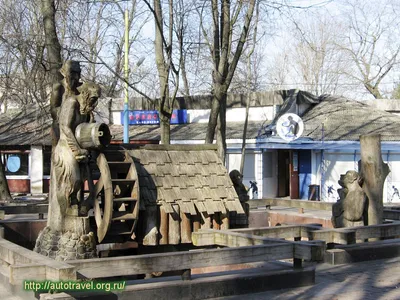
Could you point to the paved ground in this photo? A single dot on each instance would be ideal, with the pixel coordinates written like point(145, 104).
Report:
point(375, 280)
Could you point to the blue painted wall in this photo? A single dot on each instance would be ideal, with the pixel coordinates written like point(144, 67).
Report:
point(304, 172)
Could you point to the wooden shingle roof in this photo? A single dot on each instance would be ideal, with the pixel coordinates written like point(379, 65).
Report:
point(345, 120)
point(191, 176)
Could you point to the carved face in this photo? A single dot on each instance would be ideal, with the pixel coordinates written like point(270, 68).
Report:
point(236, 177)
point(348, 178)
point(89, 94)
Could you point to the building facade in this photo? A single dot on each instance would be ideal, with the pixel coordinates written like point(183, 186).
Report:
point(308, 166)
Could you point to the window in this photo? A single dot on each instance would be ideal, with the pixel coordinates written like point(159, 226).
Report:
point(16, 163)
point(46, 161)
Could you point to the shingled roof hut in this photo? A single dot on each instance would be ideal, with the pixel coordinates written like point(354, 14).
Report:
point(182, 188)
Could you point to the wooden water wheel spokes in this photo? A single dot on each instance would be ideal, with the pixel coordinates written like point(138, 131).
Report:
point(103, 202)
point(116, 198)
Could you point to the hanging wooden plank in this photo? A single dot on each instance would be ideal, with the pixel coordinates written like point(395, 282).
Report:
point(150, 226)
point(186, 228)
point(196, 222)
point(216, 221)
point(206, 221)
point(174, 231)
point(163, 226)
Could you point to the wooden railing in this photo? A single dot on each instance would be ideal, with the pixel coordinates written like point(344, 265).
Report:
point(388, 212)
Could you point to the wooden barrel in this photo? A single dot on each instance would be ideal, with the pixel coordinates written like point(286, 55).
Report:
point(93, 135)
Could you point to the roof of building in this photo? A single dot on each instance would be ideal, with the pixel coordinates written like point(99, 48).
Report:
point(192, 131)
point(30, 126)
point(345, 120)
point(188, 175)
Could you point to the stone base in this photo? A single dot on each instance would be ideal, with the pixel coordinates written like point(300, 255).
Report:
point(65, 246)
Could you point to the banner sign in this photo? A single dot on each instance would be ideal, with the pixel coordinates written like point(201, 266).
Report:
point(141, 117)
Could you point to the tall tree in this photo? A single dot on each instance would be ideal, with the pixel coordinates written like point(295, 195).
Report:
point(371, 42)
point(52, 43)
point(167, 25)
point(224, 22)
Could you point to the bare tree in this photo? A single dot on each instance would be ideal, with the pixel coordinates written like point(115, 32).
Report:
point(166, 24)
point(371, 43)
point(225, 35)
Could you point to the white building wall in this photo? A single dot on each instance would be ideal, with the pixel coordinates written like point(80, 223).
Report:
point(337, 163)
point(232, 115)
point(270, 174)
point(249, 172)
point(393, 179)
point(36, 169)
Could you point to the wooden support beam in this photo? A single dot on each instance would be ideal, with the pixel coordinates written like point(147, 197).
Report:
point(216, 221)
point(186, 228)
point(30, 271)
point(161, 262)
point(303, 250)
point(206, 220)
point(13, 254)
point(377, 231)
point(163, 226)
point(285, 232)
point(150, 226)
point(225, 221)
point(391, 214)
point(174, 229)
point(196, 222)
point(25, 209)
point(291, 203)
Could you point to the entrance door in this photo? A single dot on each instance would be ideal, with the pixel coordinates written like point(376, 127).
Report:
point(294, 174)
point(283, 173)
point(288, 174)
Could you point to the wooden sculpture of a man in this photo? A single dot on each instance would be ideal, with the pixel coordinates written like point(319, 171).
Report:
point(67, 235)
point(67, 87)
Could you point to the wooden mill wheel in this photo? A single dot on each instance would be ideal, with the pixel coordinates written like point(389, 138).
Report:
point(116, 198)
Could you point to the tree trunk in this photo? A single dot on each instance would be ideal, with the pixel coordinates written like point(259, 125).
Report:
point(4, 190)
point(221, 133)
point(374, 172)
point(53, 46)
point(246, 120)
point(165, 129)
point(212, 121)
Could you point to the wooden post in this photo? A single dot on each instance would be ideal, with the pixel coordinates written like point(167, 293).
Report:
point(206, 220)
point(187, 274)
point(174, 230)
point(297, 262)
point(163, 226)
point(196, 222)
point(225, 221)
point(151, 232)
point(216, 221)
point(374, 172)
point(186, 228)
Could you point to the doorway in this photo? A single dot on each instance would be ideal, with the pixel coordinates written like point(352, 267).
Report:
point(288, 174)
point(283, 173)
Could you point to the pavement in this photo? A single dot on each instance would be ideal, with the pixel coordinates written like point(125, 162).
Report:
point(375, 280)
point(369, 280)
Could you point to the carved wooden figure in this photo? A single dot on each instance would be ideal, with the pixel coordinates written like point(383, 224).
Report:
point(65, 230)
point(349, 211)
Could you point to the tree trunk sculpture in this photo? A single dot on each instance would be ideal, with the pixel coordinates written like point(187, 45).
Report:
point(373, 171)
